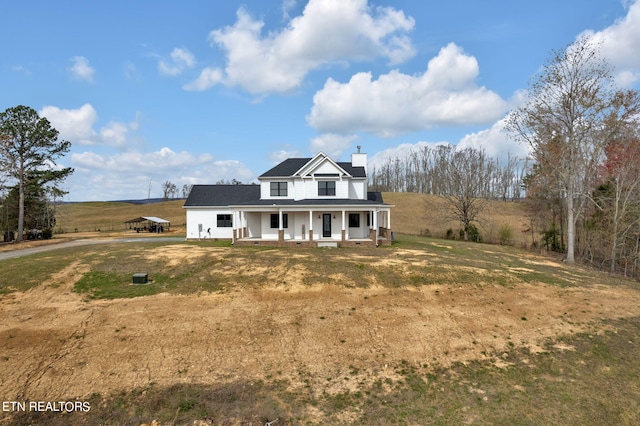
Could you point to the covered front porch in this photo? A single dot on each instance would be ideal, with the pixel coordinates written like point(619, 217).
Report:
point(312, 227)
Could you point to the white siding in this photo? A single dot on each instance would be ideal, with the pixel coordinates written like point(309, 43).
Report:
point(327, 167)
point(299, 189)
point(342, 189)
point(209, 221)
point(357, 189)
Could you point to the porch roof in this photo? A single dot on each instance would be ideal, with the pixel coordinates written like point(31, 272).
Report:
point(373, 199)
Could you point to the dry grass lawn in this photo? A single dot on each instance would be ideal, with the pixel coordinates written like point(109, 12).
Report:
point(424, 332)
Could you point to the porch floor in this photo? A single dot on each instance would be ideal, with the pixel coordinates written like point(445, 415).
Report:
point(298, 240)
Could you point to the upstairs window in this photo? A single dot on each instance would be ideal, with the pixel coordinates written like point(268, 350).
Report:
point(278, 189)
point(326, 187)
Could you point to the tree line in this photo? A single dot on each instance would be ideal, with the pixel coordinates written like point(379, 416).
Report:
point(438, 170)
point(581, 183)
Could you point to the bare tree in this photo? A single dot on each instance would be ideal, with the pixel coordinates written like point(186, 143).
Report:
point(169, 189)
point(186, 190)
point(565, 124)
point(465, 186)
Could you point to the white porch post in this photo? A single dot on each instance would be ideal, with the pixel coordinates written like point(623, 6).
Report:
point(375, 223)
point(344, 228)
point(234, 225)
point(242, 224)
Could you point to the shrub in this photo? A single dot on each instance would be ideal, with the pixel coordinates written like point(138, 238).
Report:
point(449, 235)
point(425, 232)
point(505, 235)
point(474, 234)
point(47, 233)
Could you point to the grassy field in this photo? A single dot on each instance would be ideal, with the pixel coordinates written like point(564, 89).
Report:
point(537, 342)
point(110, 216)
point(427, 331)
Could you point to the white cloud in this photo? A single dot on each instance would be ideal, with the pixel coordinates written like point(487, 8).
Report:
point(287, 5)
point(181, 59)
point(81, 69)
point(620, 44)
point(328, 31)
point(208, 78)
point(135, 161)
point(446, 94)
point(495, 141)
point(332, 144)
point(279, 156)
point(127, 175)
point(77, 126)
point(74, 125)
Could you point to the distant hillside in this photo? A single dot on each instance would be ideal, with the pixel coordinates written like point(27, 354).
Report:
point(111, 215)
point(413, 214)
point(419, 213)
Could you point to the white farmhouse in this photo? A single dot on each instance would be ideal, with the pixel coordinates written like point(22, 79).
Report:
point(301, 201)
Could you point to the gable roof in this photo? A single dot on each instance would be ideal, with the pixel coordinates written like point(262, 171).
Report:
point(222, 195)
point(290, 166)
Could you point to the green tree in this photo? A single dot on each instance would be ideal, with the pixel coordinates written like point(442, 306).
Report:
point(29, 148)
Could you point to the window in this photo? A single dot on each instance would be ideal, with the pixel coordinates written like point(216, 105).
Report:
point(224, 221)
point(274, 220)
point(368, 219)
point(354, 220)
point(278, 189)
point(326, 187)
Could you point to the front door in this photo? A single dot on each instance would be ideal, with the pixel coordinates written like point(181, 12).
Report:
point(326, 225)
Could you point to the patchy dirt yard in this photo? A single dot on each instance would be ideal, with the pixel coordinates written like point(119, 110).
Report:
point(55, 344)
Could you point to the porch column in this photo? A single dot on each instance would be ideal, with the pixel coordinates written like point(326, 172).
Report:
point(344, 228)
point(237, 224)
point(310, 225)
point(375, 224)
point(280, 227)
point(389, 220)
point(242, 224)
point(234, 225)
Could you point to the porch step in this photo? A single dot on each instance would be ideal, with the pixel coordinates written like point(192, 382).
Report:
point(332, 244)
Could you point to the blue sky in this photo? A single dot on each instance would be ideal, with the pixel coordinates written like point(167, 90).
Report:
point(198, 91)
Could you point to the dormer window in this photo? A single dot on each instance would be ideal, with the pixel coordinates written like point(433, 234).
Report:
point(278, 189)
point(326, 188)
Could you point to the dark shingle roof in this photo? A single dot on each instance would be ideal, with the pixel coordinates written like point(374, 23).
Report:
point(372, 200)
point(222, 195)
point(249, 195)
point(287, 168)
point(291, 165)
